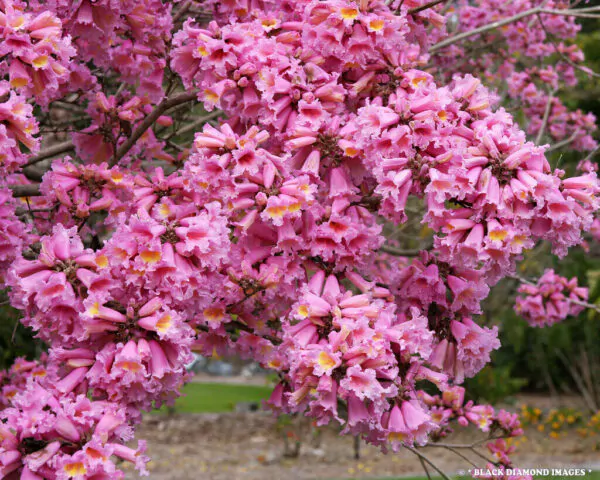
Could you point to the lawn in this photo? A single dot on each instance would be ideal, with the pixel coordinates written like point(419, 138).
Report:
point(218, 397)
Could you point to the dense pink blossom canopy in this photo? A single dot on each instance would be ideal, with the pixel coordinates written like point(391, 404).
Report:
point(265, 237)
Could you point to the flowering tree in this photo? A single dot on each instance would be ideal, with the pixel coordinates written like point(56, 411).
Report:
point(235, 177)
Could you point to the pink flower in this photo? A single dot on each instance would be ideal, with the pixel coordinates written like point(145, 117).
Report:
point(552, 300)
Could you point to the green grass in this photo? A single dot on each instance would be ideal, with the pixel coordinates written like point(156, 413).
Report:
point(217, 397)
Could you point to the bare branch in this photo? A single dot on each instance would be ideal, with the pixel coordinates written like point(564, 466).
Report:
point(464, 457)
point(182, 11)
point(424, 457)
point(580, 12)
point(563, 143)
point(192, 126)
point(588, 398)
point(161, 108)
point(427, 6)
point(483, 29)
point(399, 252)
point(547, 111)
point(50, 152)
point(425, 468)
point(25, 190)
point(33, 174)
point(592, 154)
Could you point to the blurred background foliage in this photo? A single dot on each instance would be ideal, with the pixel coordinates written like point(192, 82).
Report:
point(15, 339)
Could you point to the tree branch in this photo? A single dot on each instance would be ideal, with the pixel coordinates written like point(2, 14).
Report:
point(592, 154)
point(427, 6)
point(50, 152)
point(425, 468)
point(195, 124)
point(25, 190)
point(399, 252)
point(540, 134)
point(580, 12)
point(563, 143)
point(161, 108)
point(424, 457)
point(181, 12)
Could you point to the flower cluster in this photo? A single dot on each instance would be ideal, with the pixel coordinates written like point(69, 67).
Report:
point(557, 422)
point(501, 426)
point(34, 50)
point(351, 347)
point(450, 405)
point(552, 299)
point(22, 372)
point(534, 56)
point(113, 120)
point(17, 130)
point(77, 191)
point(44, 434)
point(129, 37)
point(14, 234)
point(488, 192)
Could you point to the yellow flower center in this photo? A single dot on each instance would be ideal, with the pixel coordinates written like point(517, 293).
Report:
point(377, 25)
point(349, 13)
point(41, 61)
point(149, 256)
point(102, 261)
point(164, 323)
point(326, 361)
point(74, 469)
point(18, 82)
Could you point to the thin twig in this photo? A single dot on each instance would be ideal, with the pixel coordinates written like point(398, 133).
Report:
point(563, 143)
point(565, 58)
point(192, 126)
point(481, 455)
point(547, 111)
point(464, 457)
point(427, 6)
point(425, 468)
point(589, 400)
point(580, 12)
point(483, 29)
point(463, 445)
point(500, 23)
point(14, 332)
point(592, 154)
point(68, 106)
point(424, 457)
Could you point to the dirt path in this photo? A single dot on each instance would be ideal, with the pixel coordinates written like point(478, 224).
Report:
point(249, 447)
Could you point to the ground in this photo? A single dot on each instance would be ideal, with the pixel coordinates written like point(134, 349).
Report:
point(250, 446)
